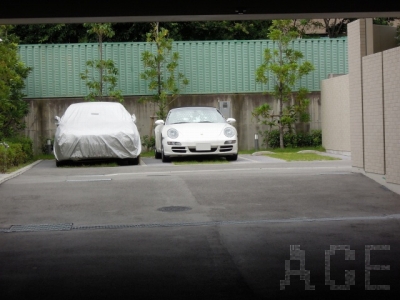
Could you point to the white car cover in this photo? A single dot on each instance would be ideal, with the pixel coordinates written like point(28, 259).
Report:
point(92, 130)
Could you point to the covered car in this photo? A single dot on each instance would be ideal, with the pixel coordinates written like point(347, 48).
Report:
point(97, 131)
point(189, 131)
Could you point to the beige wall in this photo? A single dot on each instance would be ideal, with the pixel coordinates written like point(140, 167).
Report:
point(391, 94)
point(374, 136)
point(41, 125)
point(356, 49)
point(374, 99)
point(335, 114)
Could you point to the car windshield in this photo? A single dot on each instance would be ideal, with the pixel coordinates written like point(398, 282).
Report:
point(194, 115)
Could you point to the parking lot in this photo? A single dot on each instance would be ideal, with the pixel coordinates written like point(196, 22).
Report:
point(243, 158)
point(221, 231)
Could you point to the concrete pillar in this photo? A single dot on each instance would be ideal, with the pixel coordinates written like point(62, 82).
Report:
point(360, 44)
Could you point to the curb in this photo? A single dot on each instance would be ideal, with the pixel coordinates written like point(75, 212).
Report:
point(5, 177)
point(260, 153)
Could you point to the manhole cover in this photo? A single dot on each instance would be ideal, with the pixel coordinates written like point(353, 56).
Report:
point(174, 208)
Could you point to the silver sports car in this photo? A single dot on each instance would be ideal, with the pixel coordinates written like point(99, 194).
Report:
point(97, 131)
point(189, 131)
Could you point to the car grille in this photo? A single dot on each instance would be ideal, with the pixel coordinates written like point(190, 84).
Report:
point(225, 148)
point(193, 150)
point(178, 149)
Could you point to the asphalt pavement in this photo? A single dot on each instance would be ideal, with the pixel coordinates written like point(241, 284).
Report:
point(249, 229)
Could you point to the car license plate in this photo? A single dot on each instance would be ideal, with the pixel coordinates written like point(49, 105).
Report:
point(203, 147)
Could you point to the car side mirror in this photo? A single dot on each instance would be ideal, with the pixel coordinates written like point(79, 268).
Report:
point(58, 120)
point(231, 120)
point(159, 122)
point(133, 118)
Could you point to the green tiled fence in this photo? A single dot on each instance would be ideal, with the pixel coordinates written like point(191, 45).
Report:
point(211, 66)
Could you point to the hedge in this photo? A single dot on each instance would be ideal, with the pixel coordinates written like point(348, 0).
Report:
point(294, 140)
point(14, 152)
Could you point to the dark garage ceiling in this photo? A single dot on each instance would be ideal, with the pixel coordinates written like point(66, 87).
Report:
point(73, 11)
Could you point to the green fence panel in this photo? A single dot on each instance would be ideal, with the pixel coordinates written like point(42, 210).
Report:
point(211, 66)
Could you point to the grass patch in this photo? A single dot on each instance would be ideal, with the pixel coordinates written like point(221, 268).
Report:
point(198, 160)
point(292, 156)
point(285, 150)
point(147, 154)
point(35, 158)
point(16, 168)
point(90, 165)
point(294, 150)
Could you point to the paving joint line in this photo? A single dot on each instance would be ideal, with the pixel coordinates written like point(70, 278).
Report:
point(71, 227)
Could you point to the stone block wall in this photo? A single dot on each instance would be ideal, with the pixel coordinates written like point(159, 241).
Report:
point(335, 114)
point(374, 134)
point(356, 50)
point(391, 93)
point(374, 90)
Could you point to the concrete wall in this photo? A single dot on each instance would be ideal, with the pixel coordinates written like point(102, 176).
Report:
point(374, 99)
point(41, 125)
point(374, 137)
point(335, 114)
point(391, 94)
point(357, 49)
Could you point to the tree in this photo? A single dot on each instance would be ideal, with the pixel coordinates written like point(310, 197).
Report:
point(334, 27)
point(384, 21)
point(136, 32)
point(305, 27)
point(218, 30)
point(50, 33)
point(103, 84)
point(161, 71)
point(12, 74)
point(285, 66)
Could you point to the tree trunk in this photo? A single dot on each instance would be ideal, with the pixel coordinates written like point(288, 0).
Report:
point(101, 65)
point(280, 124)
point(281, 136)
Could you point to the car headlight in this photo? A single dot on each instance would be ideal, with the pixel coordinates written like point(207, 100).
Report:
point(172, 133)
point(229, 132)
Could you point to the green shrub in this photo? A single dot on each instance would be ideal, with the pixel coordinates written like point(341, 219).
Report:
point(27, 145)
point(293, 140)
point(273, 138)
point(3, 160)
point(148, 141)
point(19, 151)
point(316, 136)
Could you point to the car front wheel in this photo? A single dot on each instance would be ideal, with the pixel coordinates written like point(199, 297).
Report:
point(157, 154)
point(232, 157)
point(164, 157)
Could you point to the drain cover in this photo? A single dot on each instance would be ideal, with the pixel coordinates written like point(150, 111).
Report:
point(174, 208)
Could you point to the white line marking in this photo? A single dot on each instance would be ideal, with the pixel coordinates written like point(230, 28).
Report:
point(249, 159)
point(86, 180)
point(142, 163)
point(231, 170)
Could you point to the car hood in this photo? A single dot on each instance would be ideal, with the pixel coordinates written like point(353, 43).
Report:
point(192, 130)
